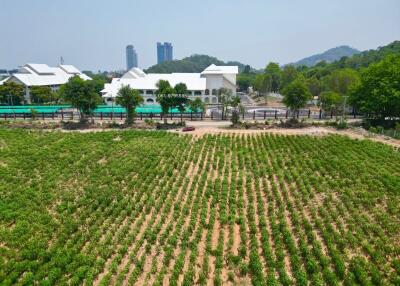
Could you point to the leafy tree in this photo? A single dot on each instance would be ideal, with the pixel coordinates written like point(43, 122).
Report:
point(42, 94)
point(180, 98)
point(227, 100)
point(237, 109)
point(275, 74)
point(130, 99)
point(81, 95)
point(196, 105)
point(164, 95)
point(224, 97)
point(378, 95)
point(296, 95)
point(169, 97)
point(314, 86)
point(330, 101)
point(245, 80)
point(98, 81)
point(11, 93)
point(262, 83)
point(289, 74)
point(342, 81)
point(247, 69)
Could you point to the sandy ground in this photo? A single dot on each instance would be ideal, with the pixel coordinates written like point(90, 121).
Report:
point(221, 127)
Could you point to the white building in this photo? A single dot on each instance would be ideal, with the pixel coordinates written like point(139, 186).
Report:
point(204, 85)
point(42, 75)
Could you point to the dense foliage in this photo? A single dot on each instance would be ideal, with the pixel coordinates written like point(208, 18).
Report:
point(81, 95)
point(154, 208)
point(130, 99)
point(296, 95)
point(378, 95)
point(170, 97)
point(194, 63)
point(43, 94)
point(11, 93)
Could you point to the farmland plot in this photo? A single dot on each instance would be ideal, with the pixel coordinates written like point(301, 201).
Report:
point(154, 208)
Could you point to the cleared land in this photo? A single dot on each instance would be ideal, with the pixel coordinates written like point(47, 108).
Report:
point(153, 208)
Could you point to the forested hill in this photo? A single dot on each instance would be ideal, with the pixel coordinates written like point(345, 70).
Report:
point(194, 63)
point(328, 56)
point(366, 58)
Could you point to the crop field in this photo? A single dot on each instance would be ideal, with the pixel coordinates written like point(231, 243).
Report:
point(156, 208)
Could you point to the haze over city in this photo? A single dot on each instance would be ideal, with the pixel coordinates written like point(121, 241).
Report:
point(93, 34)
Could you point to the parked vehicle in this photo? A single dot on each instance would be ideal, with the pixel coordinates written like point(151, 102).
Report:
point(188, 128)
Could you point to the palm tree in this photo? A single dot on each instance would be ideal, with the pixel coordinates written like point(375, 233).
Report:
point(130, 99)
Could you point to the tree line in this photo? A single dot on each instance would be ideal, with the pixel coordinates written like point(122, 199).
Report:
point(371, 87)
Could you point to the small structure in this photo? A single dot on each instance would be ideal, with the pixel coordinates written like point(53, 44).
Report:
point(204, 85)
point(42, 75)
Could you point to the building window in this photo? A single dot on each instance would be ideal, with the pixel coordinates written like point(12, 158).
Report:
point(149, 100)
point(197, 92)
point(207, 92)
point(206, 100)
point(214, 100)
point(149, 92)
point(214, 92)
point(109, 99)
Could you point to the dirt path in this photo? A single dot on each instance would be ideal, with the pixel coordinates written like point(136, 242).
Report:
point(354, 133)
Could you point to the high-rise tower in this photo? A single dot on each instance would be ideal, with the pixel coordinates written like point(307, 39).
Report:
point(131, 57)
point(164, 52)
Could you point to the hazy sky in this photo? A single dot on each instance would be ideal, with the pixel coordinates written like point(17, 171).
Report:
point(92, 34)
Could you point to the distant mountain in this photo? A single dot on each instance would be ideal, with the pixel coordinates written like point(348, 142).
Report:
point(366, 58)
point(194, 63)
point(328, 56)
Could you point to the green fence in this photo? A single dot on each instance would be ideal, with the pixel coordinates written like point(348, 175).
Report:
point(27, 109)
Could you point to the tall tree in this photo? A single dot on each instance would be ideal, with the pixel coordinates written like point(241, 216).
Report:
point(196, 105)
point(130, 99)
point(227, 100)
point(180, 98)
point(11, 93)
point(378, 95)
point(330, 101)
point(342, 81)
point(164, 94)
point(296, 95)
point(314, 86)
point(81, 95)
point(289, 74)
point(274, 72)
point(42, 94)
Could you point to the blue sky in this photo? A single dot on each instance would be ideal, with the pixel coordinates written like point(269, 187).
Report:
point(93, 34)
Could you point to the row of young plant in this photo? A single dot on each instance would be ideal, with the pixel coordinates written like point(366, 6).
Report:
point(125, 208)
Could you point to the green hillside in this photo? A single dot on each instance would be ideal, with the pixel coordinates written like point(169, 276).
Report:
point(328, 56)
point(194, 63)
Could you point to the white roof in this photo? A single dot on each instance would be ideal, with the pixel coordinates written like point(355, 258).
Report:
point(42, 74)
point(213, 69)
point(4, 80)
point(137, 79)
point(193, 81)
point(41, 69)
point(134, 73)
point(70, 69)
